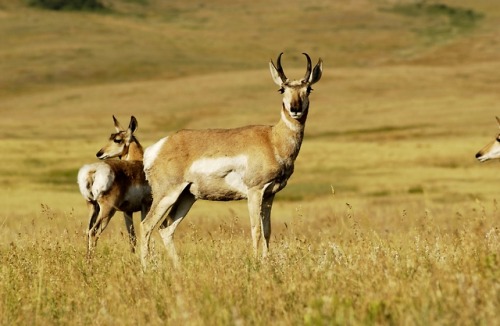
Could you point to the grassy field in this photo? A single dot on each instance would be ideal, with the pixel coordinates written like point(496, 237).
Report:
point(388, 218)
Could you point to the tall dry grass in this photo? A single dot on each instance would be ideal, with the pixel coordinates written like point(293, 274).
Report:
point(338, 267)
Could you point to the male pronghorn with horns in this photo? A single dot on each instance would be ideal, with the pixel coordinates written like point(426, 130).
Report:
point(251, 162)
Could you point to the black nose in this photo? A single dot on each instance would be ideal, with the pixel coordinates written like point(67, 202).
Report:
point(98, 154)
point(478, 155)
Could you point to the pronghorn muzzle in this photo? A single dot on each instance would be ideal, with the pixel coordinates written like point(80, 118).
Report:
point(489, 152)
point(492, 150)
point(296, 105)
point(99, 154)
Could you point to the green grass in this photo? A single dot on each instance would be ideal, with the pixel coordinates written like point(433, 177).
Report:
point(443, 21)
point(458, 17)
point(79, 5)
point(388, 218)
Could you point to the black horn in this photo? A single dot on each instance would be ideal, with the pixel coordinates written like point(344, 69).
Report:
point(279, 69)
point(309, 67)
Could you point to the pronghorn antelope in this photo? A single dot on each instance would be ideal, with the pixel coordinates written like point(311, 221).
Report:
point(114, 185)
point(252, 162)
point(492, 150)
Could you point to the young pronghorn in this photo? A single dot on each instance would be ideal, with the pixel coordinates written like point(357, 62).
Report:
point(252, 162)
point(492, 150)
point(114, 185)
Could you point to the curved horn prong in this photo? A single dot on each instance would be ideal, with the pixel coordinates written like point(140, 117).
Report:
point(309, 67)
point(280, 69)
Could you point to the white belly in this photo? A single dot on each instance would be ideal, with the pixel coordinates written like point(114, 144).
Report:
point(219, 178)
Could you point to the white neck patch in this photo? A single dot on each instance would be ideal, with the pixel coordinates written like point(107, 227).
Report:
point(292, 126)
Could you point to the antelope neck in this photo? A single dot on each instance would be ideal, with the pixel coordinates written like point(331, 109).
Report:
point(135, 152)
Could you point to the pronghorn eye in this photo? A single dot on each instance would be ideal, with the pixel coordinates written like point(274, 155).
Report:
point(309, 89)
point(281, 90)
point(117, 140)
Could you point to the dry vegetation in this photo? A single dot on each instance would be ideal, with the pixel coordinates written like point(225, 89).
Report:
point(409, 94)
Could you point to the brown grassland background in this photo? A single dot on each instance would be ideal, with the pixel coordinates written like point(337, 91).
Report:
point(388, 218)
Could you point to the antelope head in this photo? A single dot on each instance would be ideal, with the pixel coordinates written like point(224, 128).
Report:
point(492, 150)
point(119, 142)
point(296, 92)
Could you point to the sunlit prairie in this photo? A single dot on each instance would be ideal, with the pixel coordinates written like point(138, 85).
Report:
point(387, 219)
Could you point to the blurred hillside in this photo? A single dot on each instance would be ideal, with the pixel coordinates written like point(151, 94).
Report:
point(408, 95)
point(154, 39)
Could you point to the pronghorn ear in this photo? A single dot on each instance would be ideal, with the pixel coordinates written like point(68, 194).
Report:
point(317, 72)
point(133, 124)
point(132, 127)
point(275, 74)
point(118, 127)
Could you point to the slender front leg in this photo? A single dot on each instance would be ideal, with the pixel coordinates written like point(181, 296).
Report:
point(254, 208)
point(129, 224)
point(267, 204)
point(259, 209)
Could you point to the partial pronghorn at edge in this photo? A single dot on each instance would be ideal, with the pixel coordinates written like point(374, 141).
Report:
point(491, 150)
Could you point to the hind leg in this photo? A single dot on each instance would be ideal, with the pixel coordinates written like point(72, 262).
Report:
point(103, 218)
point(161, 204)
point(175, 216)
point(93, 213)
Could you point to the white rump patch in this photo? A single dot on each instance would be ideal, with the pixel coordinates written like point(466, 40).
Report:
point(85, 181)
point(151, 153)
point(94, 179)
